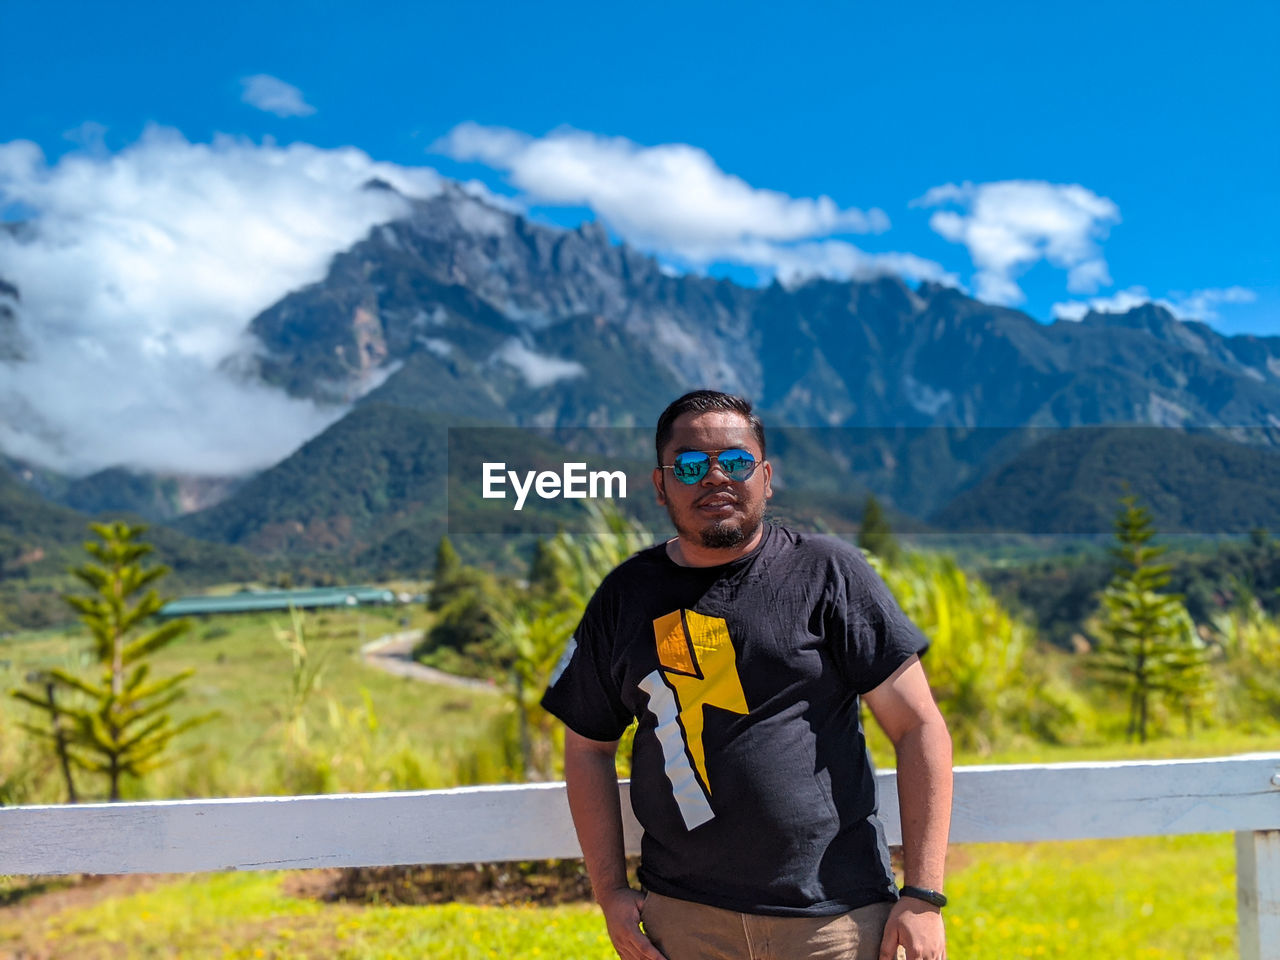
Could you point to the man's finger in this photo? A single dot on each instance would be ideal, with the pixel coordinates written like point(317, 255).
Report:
point(638, 950)
point(634, 945)
point(647, 950)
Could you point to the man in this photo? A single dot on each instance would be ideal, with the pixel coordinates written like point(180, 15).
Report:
point(743, 649)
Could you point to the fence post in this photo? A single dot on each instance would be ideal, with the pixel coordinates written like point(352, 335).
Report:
point(1258, 893)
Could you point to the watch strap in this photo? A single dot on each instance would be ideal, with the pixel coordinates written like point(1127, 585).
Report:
point(934, 897)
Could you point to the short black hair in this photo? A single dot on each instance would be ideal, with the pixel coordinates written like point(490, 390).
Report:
point(707, 401)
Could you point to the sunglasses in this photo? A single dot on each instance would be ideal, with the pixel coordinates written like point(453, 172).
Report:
point(692, 465)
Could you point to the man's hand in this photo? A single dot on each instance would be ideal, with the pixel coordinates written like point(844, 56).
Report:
point(916, 926)
point(622, 916)
point(592, 785)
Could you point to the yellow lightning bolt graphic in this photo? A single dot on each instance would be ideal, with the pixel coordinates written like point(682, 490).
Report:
point(697, 658)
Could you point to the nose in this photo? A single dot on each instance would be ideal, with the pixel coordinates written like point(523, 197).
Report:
point(720, 477)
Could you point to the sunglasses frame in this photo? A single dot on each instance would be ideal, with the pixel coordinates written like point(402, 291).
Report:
point(713, 461)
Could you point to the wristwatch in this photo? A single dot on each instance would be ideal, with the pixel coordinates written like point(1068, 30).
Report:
point(934, 897)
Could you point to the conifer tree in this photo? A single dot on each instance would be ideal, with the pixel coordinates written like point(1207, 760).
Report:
point(1147, 642)
point(875, 535)
point(119, 724)
point(445, 574)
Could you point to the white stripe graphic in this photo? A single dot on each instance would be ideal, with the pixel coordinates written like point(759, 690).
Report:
point(688, 792)
point(563, 663)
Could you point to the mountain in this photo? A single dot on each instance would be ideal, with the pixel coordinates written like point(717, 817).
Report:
point(154, 497)
point(479, 311)
point(376, 469)
point(1070, 481)
point(472, 313)
point(151, 496)
point(378, 489)
point(476, 310)
point(465, 313)
point(40, 540)
point(10, 342)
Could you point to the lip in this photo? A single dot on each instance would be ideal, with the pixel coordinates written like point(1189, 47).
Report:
point(718, 496)
point(717, 501)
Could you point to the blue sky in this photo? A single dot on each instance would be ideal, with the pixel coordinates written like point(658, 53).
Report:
point(189, 164)
point(1170, 114)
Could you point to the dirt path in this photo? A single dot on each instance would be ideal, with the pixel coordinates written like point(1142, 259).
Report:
point(394, 654)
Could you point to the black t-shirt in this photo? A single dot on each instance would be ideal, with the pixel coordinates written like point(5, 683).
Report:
point(749, 774)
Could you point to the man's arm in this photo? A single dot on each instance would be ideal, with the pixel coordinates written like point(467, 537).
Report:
point(903, 706)
point(592, 784)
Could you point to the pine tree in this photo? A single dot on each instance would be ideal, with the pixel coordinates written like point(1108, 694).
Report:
point(445, 575)
point(1147, 642)
point(875, 535)
point(118, 724)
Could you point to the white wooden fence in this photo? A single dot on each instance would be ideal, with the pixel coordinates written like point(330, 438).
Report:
point(1020, 803)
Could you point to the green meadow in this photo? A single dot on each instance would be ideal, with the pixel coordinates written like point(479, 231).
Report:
point(356, 729)
point(1134, 898)
point(359, 729)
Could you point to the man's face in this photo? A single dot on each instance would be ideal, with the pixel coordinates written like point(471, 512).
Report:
point(716, 512)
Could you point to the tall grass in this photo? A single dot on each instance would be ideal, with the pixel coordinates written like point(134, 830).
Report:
point(993, 682)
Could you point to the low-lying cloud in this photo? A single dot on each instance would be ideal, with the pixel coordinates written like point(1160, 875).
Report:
point(537, 369)
point(837, 260)
point(1196, 305)
point(1010, 225)
point(138, 276)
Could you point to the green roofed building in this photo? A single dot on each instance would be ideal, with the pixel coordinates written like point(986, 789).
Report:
point(256, 601)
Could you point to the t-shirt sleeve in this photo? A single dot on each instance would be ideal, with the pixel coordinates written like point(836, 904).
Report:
point(581, 691)
point(870, 635)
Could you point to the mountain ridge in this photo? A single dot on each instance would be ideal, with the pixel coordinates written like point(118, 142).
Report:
point(462, 278)
point(466, 312)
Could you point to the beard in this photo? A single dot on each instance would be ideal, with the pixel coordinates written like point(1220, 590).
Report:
point(720, 534)
point(723, 535)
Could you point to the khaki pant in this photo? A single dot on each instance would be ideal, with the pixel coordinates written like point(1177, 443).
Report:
point(693, 931)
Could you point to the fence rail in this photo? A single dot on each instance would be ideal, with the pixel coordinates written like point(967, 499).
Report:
point(1021, 803)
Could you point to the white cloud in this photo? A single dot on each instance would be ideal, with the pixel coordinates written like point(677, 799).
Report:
point(1075, 311)
point(674, 201)
point(538, 369)
point(275, 96)
point(1203, 304)
point(142, 274)
point(1010, 225)
point(670, 198)
point(1196, 305)
point(1088, 276)
point(836, 260)
point(1120, 302)
point(89, 136)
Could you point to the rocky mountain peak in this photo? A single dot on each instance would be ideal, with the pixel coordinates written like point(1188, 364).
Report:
point(467, 293)
point(377, 183)
point(11, 349)
point(1150, 317)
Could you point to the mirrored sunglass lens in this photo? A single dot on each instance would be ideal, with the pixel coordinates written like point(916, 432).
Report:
point(736, 463)
point(691, 467)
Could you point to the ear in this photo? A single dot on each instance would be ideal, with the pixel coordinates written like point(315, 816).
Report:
point(767, 467)
point(659, 486)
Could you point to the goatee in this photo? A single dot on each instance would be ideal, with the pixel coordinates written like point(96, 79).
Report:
point(723, 536)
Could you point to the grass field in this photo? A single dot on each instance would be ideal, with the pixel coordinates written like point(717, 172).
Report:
point(365, 730)
point(1137, 899)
